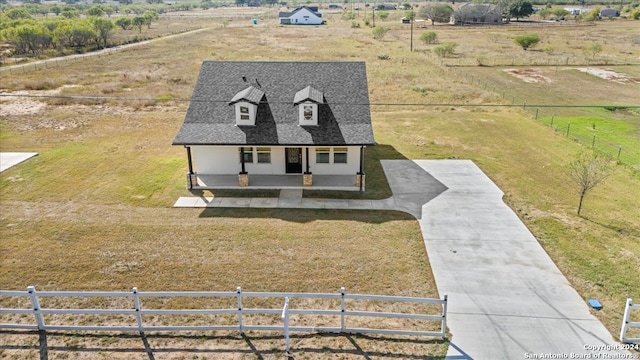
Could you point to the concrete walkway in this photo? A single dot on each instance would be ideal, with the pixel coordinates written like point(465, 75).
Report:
point(10, 159)
point(507, 299)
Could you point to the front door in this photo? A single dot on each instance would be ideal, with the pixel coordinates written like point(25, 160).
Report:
point(294, 160)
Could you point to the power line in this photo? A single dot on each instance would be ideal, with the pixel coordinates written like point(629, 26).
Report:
point(112, 98)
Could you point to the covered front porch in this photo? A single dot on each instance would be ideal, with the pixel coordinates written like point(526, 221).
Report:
point(288, 181)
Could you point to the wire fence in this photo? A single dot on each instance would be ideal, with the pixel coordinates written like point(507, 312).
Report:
point(139, 41)
point(599, 134)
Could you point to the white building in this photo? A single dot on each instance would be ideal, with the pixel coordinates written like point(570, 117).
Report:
point(301, 16)
point(289, 119)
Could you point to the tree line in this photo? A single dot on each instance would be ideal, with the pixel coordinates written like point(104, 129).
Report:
point(30, 36)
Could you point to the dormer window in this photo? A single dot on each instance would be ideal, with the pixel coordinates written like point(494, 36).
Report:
point(244, 113)
point(307, 101)
point(246, 105)
point(307, 112)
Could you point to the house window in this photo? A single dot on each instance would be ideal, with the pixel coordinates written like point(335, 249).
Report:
point(264, 155)
point(340, 155)
point(244, 113)
point(248, 154)
point(322, 155)
point(308, 112)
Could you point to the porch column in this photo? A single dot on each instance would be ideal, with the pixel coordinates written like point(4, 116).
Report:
point(192, 179)
point(360, 175)
point(243, 177)
point(307, 177)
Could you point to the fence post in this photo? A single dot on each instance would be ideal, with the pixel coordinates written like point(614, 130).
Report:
point(552, 116)
point(593, 142)
point(136, 303)
point(35, 305)
point(537, 113)
point(619, 151)
point(625, 320)
point(342, 309)
point(568, 128)
point(285, 318)
point(444, 317)
point(524, 105)
point(239, 296)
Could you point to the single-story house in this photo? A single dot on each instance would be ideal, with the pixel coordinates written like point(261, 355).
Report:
point(279, 119)
point(609, 13)
point(470, 13)
point(304, 15)
point(578, 11)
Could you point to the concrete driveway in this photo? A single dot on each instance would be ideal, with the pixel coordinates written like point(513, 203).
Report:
point(507, 299)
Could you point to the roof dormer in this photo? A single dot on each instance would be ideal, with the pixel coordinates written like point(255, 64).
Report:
point(307, 101)
point(246, 105)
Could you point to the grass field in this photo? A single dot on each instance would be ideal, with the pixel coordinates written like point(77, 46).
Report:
point(92, 211)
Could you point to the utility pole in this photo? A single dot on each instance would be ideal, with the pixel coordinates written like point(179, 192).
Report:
point(411, 20)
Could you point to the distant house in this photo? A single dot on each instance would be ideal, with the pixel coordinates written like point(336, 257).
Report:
point(470, 13)
point(609, 13)
point(304, 15)
point(292, 121)
point(335, 6)
point(578, 11)
point(385, 7)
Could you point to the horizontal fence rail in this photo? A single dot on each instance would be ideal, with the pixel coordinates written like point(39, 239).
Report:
point(237, 313)
point(627, 324)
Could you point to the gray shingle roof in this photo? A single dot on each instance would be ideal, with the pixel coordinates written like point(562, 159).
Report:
point(344, 117)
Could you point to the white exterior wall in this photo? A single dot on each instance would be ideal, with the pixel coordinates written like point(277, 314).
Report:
point(218, 160)
point(350, 168)
point(305, 17)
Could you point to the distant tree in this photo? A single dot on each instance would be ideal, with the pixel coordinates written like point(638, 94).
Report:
point(138, 22)
point(429, 37)
point(588, 170)
point(520, 9)
point(527, 41)
point(592, 15)
point(56, 9)
point(446, 49)
point(124, 22)
point(560, 14)
point(410, 14)
point(70, 14)
point(379, 32)
point(95, 11)
point(149, 16)
point(595, 49)
point(206, 4)
point(436, 12)
point(109, 10)
point(16, 13)
point(544, 13)
point(383, 15)
point(104, 28)
point(29, 38)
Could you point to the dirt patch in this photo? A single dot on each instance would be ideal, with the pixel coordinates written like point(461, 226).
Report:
point(19, 103)
point(529, 75)
point(611, 75)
